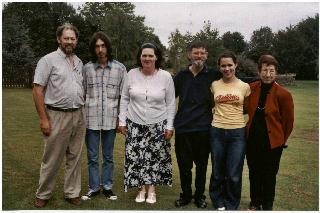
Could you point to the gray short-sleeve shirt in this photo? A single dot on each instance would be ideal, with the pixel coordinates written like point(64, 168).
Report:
point(63, 83)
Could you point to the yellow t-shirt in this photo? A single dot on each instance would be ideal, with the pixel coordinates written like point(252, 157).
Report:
point(228, 100)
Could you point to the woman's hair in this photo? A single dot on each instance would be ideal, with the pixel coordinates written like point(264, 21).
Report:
point(269, 60)
point(227, 55)
point(107, 43)
point(66, 26)
point(157, 52)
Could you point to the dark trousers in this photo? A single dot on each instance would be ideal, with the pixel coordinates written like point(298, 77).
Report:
point(263, 164)
point(192, 148)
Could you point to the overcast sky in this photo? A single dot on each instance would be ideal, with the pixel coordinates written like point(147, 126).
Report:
point(243, 17)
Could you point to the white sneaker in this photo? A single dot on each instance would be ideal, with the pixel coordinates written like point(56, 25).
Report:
point(151, 198)
point(221, 208)
point(141, 197)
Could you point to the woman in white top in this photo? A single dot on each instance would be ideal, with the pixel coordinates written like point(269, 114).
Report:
point(147, 110)
point(227, 135)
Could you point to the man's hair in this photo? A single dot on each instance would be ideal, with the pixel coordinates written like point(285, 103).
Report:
point(227, 55)
point(196, 44)
point(92, 45)
point(269, 60)
point(157, 52)
point(66, 26)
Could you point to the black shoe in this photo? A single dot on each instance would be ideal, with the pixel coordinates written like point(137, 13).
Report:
point(201, 203)
point(109, 194)
point(253, 207)
point(90, 194)
point(182, 201)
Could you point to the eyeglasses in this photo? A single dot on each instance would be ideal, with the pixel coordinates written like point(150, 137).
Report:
point(271, 72)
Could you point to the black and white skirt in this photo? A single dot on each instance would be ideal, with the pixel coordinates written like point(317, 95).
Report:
point(147, 155)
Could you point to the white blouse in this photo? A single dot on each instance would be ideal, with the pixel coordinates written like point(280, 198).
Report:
point(148, 99)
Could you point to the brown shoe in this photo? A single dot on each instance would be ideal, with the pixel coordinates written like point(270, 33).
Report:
point(40, 203)
point(75, 200)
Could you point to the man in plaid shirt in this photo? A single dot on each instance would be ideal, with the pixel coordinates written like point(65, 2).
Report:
point(103, 81)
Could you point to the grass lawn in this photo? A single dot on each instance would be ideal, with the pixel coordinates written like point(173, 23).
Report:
point(22, 146)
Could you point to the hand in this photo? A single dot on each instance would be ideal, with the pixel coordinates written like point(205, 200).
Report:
point(45, 127)
point(117, 126)
point(122, 129)
point(168, 134)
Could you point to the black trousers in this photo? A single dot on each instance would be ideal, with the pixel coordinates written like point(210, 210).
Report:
point(263, 164)
point(192, 148)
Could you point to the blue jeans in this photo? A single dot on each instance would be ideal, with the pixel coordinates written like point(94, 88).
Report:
point(93, 142)
point(227, 157)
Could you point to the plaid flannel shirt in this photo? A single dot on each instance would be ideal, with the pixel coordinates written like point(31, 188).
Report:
point(103, 88)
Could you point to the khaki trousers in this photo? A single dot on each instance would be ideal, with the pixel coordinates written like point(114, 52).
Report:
point(66, 139)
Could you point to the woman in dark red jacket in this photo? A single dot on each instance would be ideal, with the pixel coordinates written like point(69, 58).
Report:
point(271, 115)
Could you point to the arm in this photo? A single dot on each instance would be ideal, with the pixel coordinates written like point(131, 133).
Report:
point(212, 98)
point(124, 77)
point(84, 74)
point(171, 108)
point(123, 106)
point(176, 84)
point(38, 97)
point(245, 101)
point(245, 105)
point(286, 109)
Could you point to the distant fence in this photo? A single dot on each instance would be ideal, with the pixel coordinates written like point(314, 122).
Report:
point(24, 79)
point(17, 77)
point(286, 79)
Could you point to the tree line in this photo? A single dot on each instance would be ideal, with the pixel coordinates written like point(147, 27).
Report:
point(29, 33)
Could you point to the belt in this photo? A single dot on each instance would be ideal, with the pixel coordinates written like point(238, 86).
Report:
point(61, 109)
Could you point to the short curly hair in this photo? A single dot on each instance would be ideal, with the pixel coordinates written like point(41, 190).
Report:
point(269, 60)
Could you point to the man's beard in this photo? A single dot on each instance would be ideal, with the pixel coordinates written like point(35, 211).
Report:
point(68, 50)
point(198, 63)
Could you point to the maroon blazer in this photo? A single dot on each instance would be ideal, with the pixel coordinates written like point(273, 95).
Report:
point(279, 112)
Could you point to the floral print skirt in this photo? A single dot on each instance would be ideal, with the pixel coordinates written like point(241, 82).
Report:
point(147, 155)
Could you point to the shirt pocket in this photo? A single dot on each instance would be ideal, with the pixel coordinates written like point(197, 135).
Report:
point(113, 90)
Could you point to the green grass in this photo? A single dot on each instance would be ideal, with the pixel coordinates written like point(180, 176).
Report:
point(297, 182)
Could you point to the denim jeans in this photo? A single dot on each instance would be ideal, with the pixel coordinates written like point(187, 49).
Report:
point(93, 142)
point(227, 157)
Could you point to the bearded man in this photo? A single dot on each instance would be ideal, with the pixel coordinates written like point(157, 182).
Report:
point(192, 123)
point(58, 94)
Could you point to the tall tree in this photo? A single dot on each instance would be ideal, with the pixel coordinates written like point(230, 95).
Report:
point(17, 55)
point(309, 67)
point(261, 42)
point(288, 44)
point(210, 36)
point(177, 49)
point(126, 30)
point(297, 49)
point(41, 26)
point(234, 42)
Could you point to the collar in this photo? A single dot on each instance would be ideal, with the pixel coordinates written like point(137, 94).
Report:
point(96, 64)
point(204, 69)
point(62, 54)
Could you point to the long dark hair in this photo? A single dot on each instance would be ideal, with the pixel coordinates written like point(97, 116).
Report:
point(107, 43)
